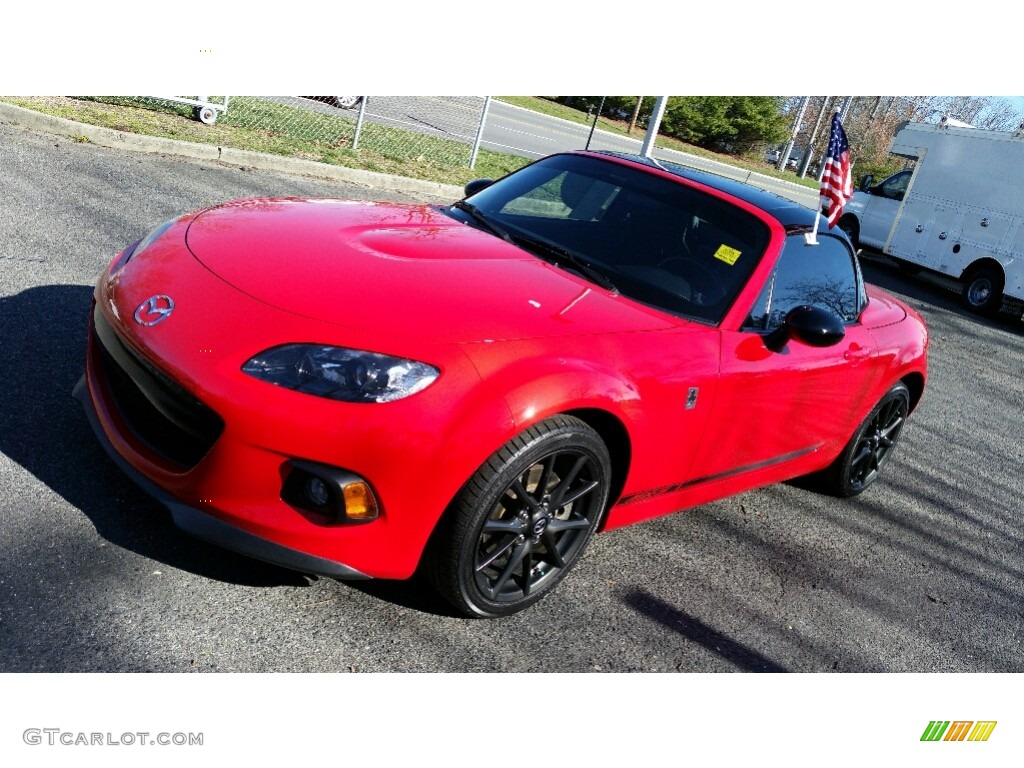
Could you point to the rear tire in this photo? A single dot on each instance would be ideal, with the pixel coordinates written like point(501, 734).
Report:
point(522, 521)
point(983, 290)
point(870, 448)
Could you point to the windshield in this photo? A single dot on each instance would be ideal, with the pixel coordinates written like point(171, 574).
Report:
point(651, 238)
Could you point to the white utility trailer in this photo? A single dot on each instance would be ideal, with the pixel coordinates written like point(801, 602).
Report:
point(204, 109)
point(959, 211)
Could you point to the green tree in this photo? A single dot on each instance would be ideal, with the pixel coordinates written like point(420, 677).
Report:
point(735, 123)
point(730, 123)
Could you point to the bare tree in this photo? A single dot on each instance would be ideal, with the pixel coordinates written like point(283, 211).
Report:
point(872, 121)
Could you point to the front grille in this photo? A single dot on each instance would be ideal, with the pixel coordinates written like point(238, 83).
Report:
point(161, 413)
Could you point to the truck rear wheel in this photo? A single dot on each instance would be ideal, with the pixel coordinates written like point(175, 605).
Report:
point(983, 290)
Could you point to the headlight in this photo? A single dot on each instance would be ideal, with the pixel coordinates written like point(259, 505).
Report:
point(341, 374)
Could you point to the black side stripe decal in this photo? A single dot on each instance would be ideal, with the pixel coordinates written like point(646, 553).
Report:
point(635, 498)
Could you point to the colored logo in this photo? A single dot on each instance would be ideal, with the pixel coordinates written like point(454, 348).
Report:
point(958, 730)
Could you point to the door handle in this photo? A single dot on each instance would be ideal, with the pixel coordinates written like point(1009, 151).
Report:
point(856, 353)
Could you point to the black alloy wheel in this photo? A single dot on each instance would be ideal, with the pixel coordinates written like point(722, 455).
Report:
point(523, 520)
point(870, 448)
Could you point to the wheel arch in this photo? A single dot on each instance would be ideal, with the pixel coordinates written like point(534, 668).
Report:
point(851, 221)
point(616, 438)
point(985, 262)
point(609, 426)
point(915, 384)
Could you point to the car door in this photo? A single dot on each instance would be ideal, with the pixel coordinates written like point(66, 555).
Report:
point(882, 206)
point(777, 405)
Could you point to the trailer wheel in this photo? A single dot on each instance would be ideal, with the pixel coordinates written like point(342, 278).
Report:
point(205, 115)
point(983, 290)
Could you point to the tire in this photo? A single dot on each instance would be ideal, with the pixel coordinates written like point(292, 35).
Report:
point(522, 521)
point(870, 448)
point(206, 115)
point(849, 226)
point(346, 102)
point(983, 290)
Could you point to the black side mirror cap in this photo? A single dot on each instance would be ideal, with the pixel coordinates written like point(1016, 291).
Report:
point(813, 326)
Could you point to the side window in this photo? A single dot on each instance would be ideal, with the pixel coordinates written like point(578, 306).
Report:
point(823, 275)
point(895, 187)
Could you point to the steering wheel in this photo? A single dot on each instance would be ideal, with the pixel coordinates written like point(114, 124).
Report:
point(702, 290)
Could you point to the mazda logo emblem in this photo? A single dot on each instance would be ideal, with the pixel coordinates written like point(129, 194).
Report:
point(539, 526)
point(154, 309)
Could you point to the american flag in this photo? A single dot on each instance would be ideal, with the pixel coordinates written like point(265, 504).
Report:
point(836, 181)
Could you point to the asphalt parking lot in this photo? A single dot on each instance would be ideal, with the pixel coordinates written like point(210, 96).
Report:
point(923, 573)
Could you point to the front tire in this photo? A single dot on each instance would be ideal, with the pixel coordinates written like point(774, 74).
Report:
point(522, 521)
point(870, 448)
point(849, 226)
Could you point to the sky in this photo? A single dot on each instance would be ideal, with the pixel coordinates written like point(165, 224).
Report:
point(533, 46)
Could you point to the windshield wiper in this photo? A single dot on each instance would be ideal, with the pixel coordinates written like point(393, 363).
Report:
point(567, 259)
point(483, 221)
point(556, 253)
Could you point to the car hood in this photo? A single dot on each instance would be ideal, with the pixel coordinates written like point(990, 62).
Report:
point(400, 269)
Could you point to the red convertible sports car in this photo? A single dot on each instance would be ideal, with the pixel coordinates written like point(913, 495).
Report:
point(362, 390)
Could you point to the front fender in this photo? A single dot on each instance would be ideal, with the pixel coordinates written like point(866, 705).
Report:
point(659, 386)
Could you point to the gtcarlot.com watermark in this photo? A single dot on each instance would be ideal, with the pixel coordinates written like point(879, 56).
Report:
point(53, 737)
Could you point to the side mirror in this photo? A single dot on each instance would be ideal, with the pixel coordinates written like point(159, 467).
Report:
point(866, 182)
point(476, 185)
point(813, 326)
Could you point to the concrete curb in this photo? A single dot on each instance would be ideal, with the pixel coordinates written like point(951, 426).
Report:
point(108, 137)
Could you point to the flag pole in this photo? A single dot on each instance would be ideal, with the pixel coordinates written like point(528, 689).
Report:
point(811, 238)
point(838, 150)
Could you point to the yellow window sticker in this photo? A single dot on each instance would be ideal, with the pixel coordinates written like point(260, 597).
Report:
point(727, 254)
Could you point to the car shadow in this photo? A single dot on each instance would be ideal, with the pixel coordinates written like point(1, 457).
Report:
point(45, 430)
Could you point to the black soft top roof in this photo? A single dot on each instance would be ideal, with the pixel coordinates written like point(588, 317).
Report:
point(788, 213)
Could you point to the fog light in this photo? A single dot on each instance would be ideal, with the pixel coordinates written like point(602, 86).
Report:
point(338, 495)
point(317, 491)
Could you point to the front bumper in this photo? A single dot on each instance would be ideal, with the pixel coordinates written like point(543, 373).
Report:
point(205, 526)
point(216, 445)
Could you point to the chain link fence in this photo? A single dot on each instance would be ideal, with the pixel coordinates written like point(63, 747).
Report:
point(429, 137)
point(442, 129)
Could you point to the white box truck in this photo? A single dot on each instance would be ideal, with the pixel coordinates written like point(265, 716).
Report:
point(959, 211)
